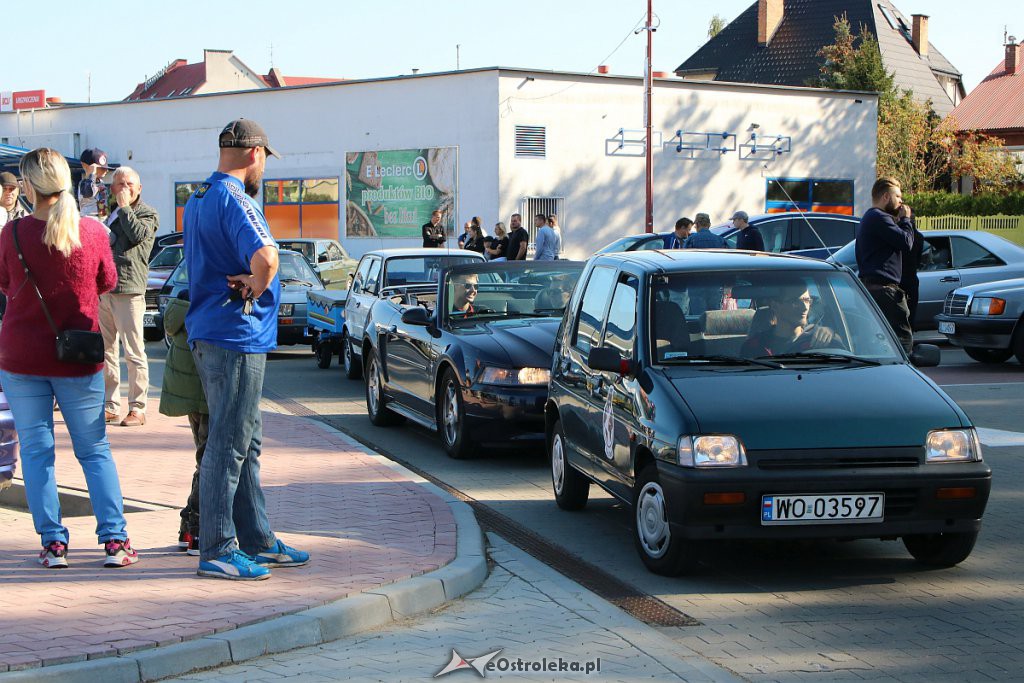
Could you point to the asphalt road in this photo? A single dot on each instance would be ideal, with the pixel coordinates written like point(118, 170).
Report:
point(768, 611)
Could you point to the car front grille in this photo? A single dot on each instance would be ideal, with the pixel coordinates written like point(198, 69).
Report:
point(152, 298)
point(900, 502)
point(955, 304)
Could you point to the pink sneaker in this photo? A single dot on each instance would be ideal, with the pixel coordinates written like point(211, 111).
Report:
point(120, 553)
point(54, 555)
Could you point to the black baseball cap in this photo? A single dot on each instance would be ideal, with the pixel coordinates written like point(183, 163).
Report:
point(96, 156)
point(247, 134)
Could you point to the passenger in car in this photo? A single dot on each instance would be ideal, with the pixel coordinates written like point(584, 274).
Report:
point(788, 329)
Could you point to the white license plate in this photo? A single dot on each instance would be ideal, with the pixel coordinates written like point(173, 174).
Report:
point(947, 328)
point(149, 319)
point(834, 508)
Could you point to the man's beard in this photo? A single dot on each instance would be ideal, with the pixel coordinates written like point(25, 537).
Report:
point(252, 183)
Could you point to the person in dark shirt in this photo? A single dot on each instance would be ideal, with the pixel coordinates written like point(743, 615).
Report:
point(433, 232)
point(788, 330)
point(749, 237)
point(498, 247)
point(884, 237)
point(475, 242)
point(518, 239)
point(675, 239)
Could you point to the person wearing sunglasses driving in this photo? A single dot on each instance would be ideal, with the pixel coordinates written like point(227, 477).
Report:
point(464, 294)
point(788, 330)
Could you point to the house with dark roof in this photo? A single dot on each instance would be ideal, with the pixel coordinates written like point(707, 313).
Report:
point(220, 71)
point(776, 42)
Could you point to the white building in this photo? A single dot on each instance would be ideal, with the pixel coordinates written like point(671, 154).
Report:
point(494, 142)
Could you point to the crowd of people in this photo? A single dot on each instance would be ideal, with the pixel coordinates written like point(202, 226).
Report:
point(506, 244)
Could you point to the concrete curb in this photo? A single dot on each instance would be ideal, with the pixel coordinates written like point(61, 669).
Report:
point(370, 609)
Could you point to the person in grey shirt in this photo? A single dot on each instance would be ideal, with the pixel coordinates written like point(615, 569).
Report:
point(549, 238)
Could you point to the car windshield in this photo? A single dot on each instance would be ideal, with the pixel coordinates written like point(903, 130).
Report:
point(168, 258)
point(621, 244)
point(418, 270)
point(509, 290)
point(294, 269)
point(307, 249)
point(817, 317)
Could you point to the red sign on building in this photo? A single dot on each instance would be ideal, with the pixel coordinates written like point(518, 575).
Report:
point(29, 99)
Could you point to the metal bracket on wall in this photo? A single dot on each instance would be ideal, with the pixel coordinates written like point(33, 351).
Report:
point(765, 147)
point(692, 145)
point(629, 143)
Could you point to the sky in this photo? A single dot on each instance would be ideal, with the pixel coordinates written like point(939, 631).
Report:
point(392, 37)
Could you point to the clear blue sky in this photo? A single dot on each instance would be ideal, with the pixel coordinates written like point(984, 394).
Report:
point(369, 39)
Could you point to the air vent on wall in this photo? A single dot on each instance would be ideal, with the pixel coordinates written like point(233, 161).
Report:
point(531, 142)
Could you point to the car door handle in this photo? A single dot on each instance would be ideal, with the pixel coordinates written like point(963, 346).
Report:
point(949, 278)
point(358, 305)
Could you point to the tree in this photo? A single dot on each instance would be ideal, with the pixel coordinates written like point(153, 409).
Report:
point(915, 145)
point(715, 26)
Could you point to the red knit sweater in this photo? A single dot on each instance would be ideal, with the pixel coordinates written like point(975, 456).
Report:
point(70, 285)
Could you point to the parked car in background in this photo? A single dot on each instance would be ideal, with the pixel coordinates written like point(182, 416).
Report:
point(784, 233)
point(296, 277)
point(327, 258)
point(470, 356)
point(716, 424)
point(385, 273)
point(160, 268)
point(162, 241)
point(987, 320)
point(951, 259)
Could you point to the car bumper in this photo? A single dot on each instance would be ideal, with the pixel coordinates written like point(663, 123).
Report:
point(506, 413)
point(911, 505)
point(984, 333)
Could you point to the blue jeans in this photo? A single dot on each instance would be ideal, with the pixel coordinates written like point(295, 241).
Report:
point(234, 511)
point(81, 405)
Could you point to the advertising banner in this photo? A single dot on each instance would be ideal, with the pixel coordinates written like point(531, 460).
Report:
point(391, 193)
point(29, 99)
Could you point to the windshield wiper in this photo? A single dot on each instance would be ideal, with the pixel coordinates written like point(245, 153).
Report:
point(295, 280)
point(824, 356)
point(725, 360)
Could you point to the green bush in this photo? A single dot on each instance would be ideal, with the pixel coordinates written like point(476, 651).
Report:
point(946, 203)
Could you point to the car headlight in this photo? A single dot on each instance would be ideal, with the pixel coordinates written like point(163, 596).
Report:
point(987, 305)
point(711, 451)
point(286, 310)
point(515, 376)
point(952, 445)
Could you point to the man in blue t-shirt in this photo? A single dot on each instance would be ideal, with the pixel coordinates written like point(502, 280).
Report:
point(232, 262)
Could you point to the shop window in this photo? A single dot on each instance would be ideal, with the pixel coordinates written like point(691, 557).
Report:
point(302, 207)
point(809, 194)
point(182, 191)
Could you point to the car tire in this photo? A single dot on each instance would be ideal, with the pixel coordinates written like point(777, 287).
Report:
point(988, 356)
point(571, 487)
point(661, 551)
point(941, 550)
point(1018, 342)
point(353, 370)
point(323, 355)
point(451, 418)
point(376, 409)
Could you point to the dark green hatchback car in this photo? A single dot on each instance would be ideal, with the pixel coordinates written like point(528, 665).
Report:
point(741, 395)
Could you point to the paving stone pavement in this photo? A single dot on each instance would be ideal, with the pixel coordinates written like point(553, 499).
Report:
point(525, 609)
point(365, 523)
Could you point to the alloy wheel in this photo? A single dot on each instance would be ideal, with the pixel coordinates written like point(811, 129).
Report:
point(451, 413)
point(557, 464)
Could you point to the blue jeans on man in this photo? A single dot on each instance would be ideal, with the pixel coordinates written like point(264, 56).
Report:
point(81, 405)
point(234, 513)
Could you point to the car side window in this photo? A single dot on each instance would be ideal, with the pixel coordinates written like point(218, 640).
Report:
point(936, 254)
point(651, 245)
point(333, 253)
point(591, 316)
point(620, 332)
point(360, 278)
point(776, 235)
point(969, 254)
point(372, 276)
point(833, 231)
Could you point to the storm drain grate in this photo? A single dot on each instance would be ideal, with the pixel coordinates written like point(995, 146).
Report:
point(640, 605)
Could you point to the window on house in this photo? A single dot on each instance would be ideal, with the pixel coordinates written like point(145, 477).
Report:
point(809, 194)
point(302, 207)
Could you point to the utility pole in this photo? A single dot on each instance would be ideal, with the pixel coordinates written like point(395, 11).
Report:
point(648, 83)
point(88, 79)
point(457, 46)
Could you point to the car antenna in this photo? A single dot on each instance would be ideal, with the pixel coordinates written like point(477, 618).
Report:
point(802, 214)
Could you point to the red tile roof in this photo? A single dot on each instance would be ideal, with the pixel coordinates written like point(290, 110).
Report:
point(997, 104)
point(180, 76)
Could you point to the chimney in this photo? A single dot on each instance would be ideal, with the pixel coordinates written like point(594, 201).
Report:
point(919, 34)
point(769, 16)
point(1013, 56)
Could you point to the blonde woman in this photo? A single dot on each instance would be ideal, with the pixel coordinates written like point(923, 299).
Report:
point(499, 245)
point(70, 260)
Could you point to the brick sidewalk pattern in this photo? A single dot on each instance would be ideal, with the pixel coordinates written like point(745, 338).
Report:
point(364, 524)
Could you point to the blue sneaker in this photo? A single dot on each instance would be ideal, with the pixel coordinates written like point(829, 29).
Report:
point(235, 566)
point(281, 555)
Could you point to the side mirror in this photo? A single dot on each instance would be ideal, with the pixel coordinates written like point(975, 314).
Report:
point(926, 355)
point(417, 316)
point(608, 360)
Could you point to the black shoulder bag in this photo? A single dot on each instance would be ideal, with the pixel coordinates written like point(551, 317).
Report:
point(73, 346)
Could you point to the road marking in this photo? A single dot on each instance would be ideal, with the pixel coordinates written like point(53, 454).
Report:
point(1000, 437)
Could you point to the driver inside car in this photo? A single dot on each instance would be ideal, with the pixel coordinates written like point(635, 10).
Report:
point(788, 329)
point(464, 289)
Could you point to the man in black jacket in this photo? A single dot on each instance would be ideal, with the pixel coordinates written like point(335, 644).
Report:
point(885, 237)
point(433, 232)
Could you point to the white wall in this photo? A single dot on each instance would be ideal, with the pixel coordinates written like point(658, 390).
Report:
point(834, 136)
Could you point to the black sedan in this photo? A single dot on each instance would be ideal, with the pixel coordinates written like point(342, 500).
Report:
point(469, 357)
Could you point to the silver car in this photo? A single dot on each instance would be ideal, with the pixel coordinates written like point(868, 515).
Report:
point(986, 320)
point(951, 259)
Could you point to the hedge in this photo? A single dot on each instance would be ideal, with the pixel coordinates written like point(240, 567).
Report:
point(948, 204)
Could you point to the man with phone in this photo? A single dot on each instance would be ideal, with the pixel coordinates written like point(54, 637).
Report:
point(885, 237)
